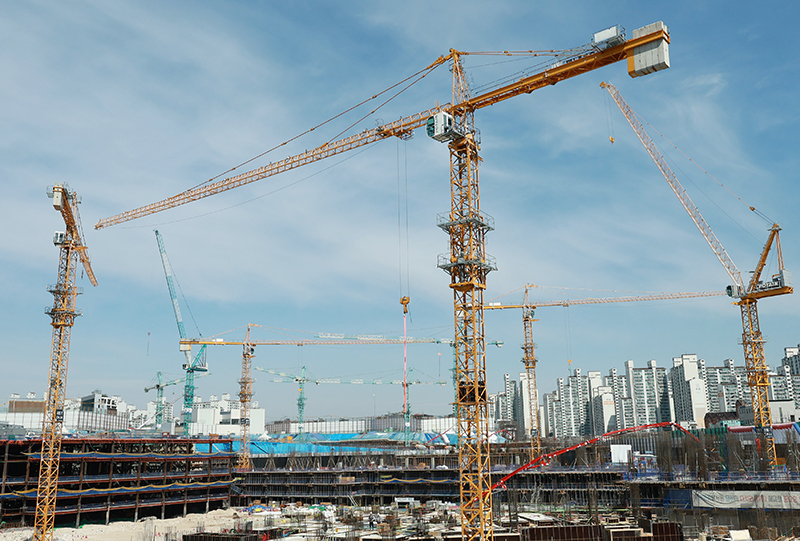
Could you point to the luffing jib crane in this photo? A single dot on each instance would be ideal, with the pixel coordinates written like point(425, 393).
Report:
point(72, 248)
point(467, 262)
point(191, 366)
point(159, 387)
point(747, 295)
point(529, 359)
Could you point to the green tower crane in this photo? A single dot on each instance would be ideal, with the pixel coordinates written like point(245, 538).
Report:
point(198, 364)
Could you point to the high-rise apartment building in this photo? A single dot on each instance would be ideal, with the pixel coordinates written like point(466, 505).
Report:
point(529, 404)
point(791, 362)
point(569, 411)
point(623, 403)
point(509, 401)
point(603, 410)
point(725, 385)
point(689, 392)
point(651, 393)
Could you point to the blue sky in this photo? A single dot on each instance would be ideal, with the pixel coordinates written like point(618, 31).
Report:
point(130, 103)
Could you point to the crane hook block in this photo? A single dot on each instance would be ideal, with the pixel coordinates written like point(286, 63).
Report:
point(404, 301)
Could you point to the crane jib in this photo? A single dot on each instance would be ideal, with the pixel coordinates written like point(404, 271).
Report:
point(646, 52)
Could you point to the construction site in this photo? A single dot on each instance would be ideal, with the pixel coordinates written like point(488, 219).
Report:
point(650, 477)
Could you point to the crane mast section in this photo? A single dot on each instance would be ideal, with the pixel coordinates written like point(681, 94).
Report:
point(529, 360)
point(688, 205)
point(245, 397)
point(757, 374)
point(63, 314)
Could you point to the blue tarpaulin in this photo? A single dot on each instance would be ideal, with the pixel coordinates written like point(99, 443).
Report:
point(311, 443)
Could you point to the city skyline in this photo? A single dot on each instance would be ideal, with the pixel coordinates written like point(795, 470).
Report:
point(784, 385)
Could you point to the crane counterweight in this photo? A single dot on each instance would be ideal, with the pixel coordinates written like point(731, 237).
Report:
point(649, 57)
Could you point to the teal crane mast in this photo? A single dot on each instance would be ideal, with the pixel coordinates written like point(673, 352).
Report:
point(191, 366)
point(159, 387)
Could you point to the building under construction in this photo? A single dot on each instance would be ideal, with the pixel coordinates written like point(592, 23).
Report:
point(104, 479)
point(719, 480)
point(716, 481)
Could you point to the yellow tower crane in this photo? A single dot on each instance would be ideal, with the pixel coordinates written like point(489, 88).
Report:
point(246, 382)
point(72, 247)
point(467, 263)
point(529, 348)
point(747, 295)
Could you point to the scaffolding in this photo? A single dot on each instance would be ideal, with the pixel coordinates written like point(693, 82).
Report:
point(102, 479)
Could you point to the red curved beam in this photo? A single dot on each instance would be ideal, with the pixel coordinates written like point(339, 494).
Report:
point(545, 459)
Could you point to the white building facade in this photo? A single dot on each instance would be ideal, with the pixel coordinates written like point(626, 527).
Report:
point(223, 416)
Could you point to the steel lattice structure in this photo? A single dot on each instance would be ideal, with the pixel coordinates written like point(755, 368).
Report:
point(63, 314)
point(245, 397)
point(748, 295)
point(529, 360)
point(467, 263)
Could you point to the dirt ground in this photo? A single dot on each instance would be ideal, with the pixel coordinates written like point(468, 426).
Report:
point(214, 521)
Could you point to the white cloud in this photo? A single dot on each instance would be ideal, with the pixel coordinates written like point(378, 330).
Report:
point(134, 103)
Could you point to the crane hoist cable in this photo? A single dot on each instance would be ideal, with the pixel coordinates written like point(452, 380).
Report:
point(425, 72)
point(568, 338)
point(402, 235)
point(186, 303)
point(402, 224)
point(609, 119)
point(752, 208)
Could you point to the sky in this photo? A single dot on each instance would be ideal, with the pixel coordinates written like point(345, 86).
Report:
point(130, 103)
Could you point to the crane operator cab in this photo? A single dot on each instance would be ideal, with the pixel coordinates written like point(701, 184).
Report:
point(780, 281)
point(441, 127)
